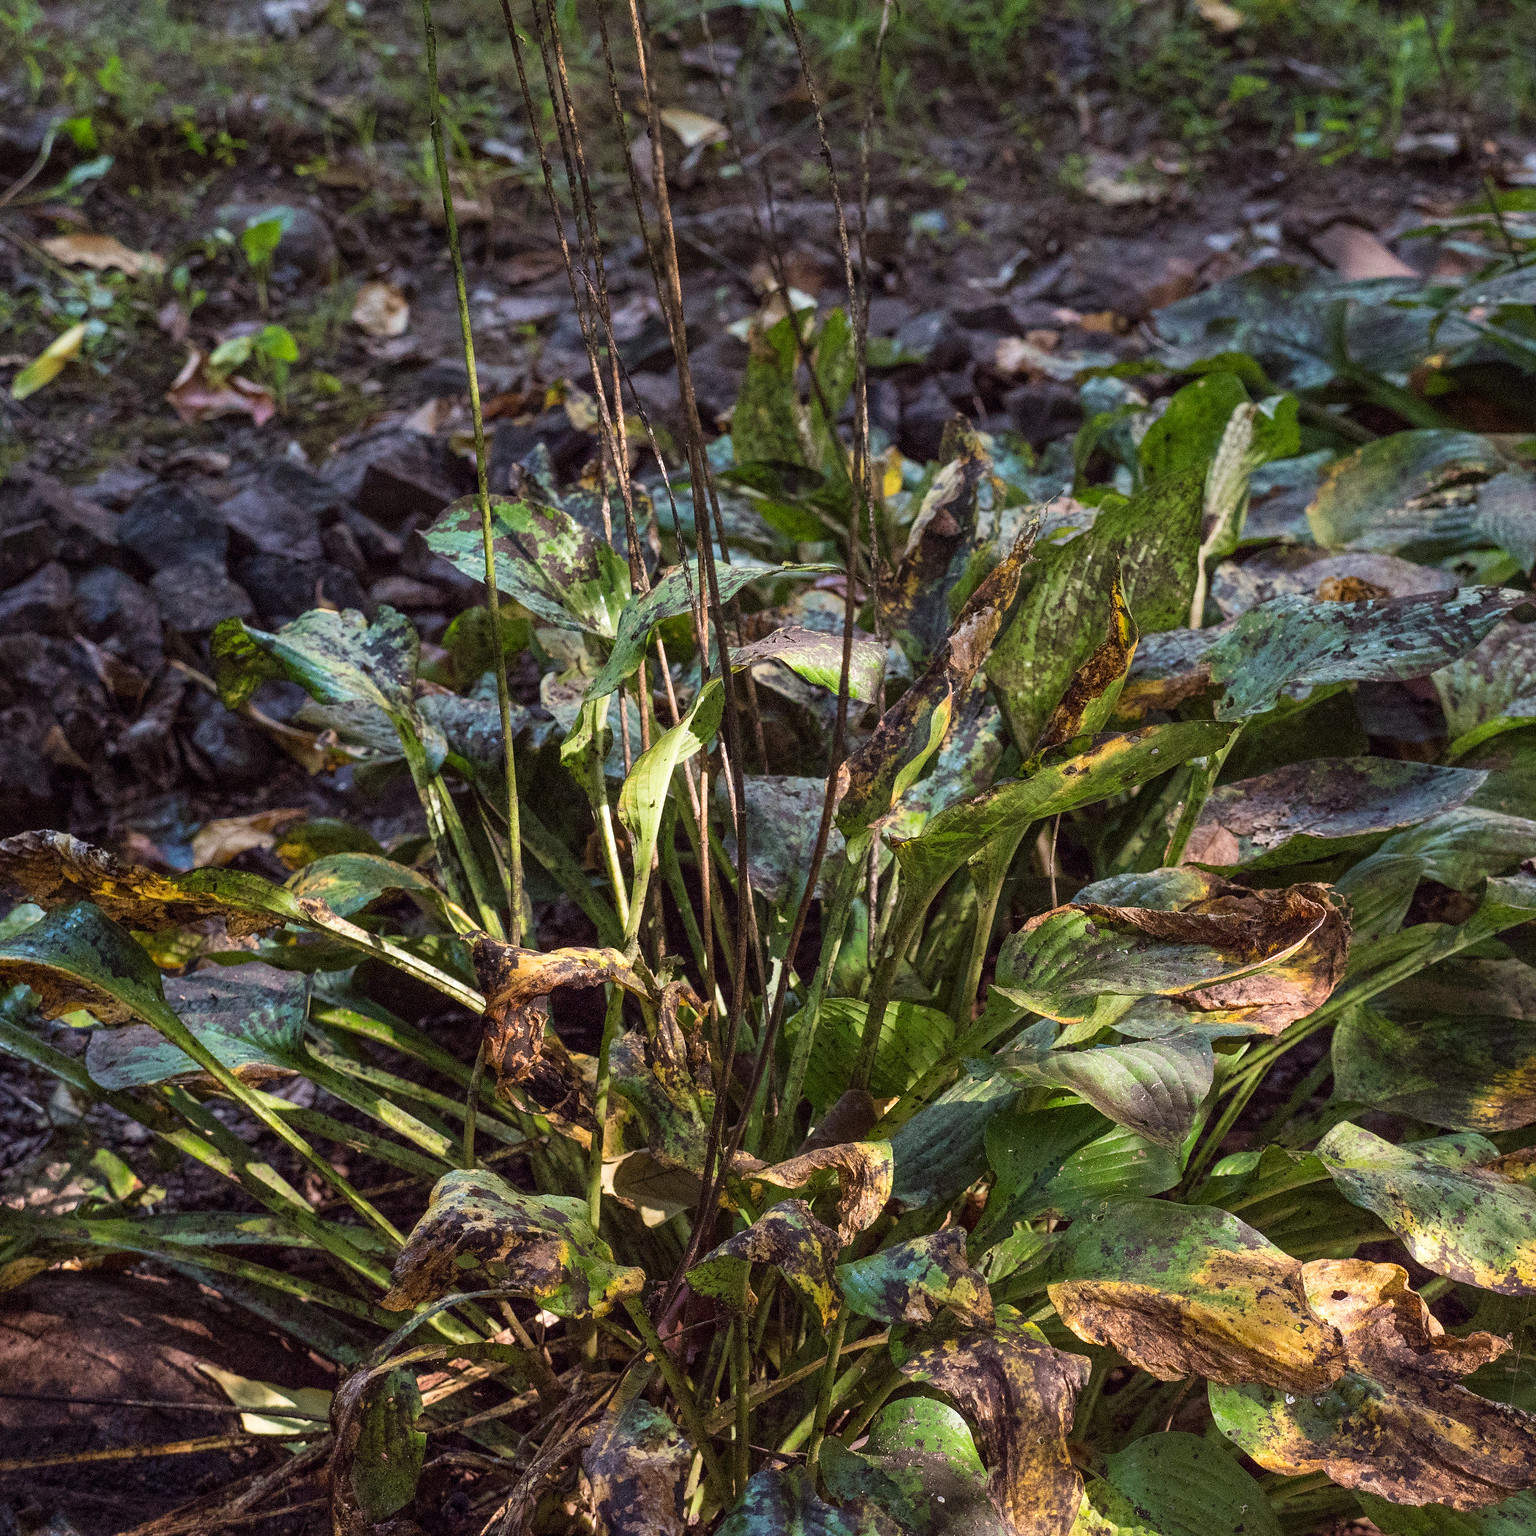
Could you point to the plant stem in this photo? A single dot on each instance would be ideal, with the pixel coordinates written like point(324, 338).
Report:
point(1203, 773)
point(611, 1022)
point(741, 1383)
point(824, 1391)
point(514, 890)
point(472, 1105)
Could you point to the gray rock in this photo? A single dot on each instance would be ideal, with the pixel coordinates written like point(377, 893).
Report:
point(83, 532)
point(1043, 411)
point(922, 422)
point(306, 246)
point(393, 476)
point(342, 547)
point(26, 543)
point(118, 613)
point(193, 597)
point(282, 589)
point(234, 750)
point(173, 525)
point(280, 512)
point(53, 716)
point(379, 546)
point(40, 603)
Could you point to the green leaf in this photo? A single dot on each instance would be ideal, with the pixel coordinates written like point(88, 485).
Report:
point(252, 1019)
point(913, 1038)
point(477, 1228)
point(1183, 1290)
point(552, 564)
point(317, 836)
point(1491, 689)
point(49, 363)
point(940, 1150)
point(1318, 809)
point(1115, 765)
point(1461, 1071)
point(349, 883)
point(1514, 1516)
point(784, 1503)
point(1065, 610)
point(817, 656)
point(387, 1458)
point(786, 1237)
point(912, 1282)
point(677, 592)
point(1446, 1198)
point(1186, 1486)
point(766, 422)
point(1153, 1087)
point(1406, 491)
point(1292, 642)
point(77, 957)
point(636, 1468)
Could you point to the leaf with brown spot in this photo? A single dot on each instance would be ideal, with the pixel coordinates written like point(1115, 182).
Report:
point(913, 1282)
point(1187, 1290)
point(1019, 1394)
point(864, 1170)
point(1259, 958)
point(479, 1233)
point(786, 1237)
point(635, 1469)
point(875, 777)
point(77, 957)
point(1095, 687)
point(1396, 1424)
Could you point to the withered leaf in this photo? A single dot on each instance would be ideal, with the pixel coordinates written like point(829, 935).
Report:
point(1019, 1394)
point(1095, 686)
point(635, 1470)
point(788, 1238)
point(1186, 1290)
point(913, 1282)
point(1396, 1424)
point(478, 1233)
point(864, 1170)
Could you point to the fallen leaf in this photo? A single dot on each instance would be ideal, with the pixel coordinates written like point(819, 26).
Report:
point(635, 1470)
point(693, 128)
point(1120, 183)
point(1219, 16)
point(1190, 1290)
point(381, 310)
point(1019, 1393)
point(195, 396)
point(1356, 253)
point(478, 1231)
point(101, 253)
point(218, 842)
point(49, 363)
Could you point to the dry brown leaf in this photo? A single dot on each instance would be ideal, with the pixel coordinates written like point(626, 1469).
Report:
point(195, 396)
point(1020, 1394)
point(1356, 253)
point(693, 128)
point(102, 253)
point(218, 842)
point(864, 1169)
point(381, 310)
point(1219, 16)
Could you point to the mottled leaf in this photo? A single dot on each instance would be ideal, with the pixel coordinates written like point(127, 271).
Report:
point(1505, 988)
point(1189, 431)
point(1514, 1516)
point(251, 1019)
point(912, 1282)
point(1455, 1212)
point(635, 1468)
point(1183, 1485)
point(783, 816)
point(1317, 809)
point(861, 1170)
point(1291, 643)
point(351, 882)
point(1491, 689)
point(77, 957)
point(1019, 1394)
point(1094, 688)
point(551, 563)
point(1181, 1290)
point(817, 656)
point(1152, 541)
point(479, 1232)
point(784, 1503)
point(384, 1461)
point(940, 1150)
point(913, 1038)
point(1351, 576)
point(786, 1237)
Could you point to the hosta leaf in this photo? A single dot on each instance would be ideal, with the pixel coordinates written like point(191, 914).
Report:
point(252, 1019)
point(1227, 951)
point(1092, 690)
point(552, 564)
point(1153, 1087)
point(1455, 1212)
point(1506, 988)
point(862, 1172)
point(1117, 764)
point(478, 1232)
point(1353, 575)
point(1188, 433)
point(787, 1237)
point(783, 816)
point(351, 882)
point(1019, 1394)
point(1183, 1485)
point(1506, 515)
point(77, 957)
point(1396, 1423)
point(1291, 642)
point(337, 658)
point(635, 1470)
point(913, 1038)
point(1456, 849)
point(911, 1282)
point(677, 592)
point(940, 1150)
point(817, 656)
point(1491, 689)
point(919, 1465)
point(1465, 1072)
point(383, 1462)
point(1409, 490)
point(1180, 1290)
point(1513, 1516)
point(875, 777)
point(1152, 541)
point(651, 1187)
point(784, 1503)
point(1316, 809)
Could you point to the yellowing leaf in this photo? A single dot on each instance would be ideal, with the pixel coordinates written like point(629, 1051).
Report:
point(102, 252)
point(49, 363)
point(381, 310)
point(786, 1237)
point(310, 1406)
point(693, 128)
